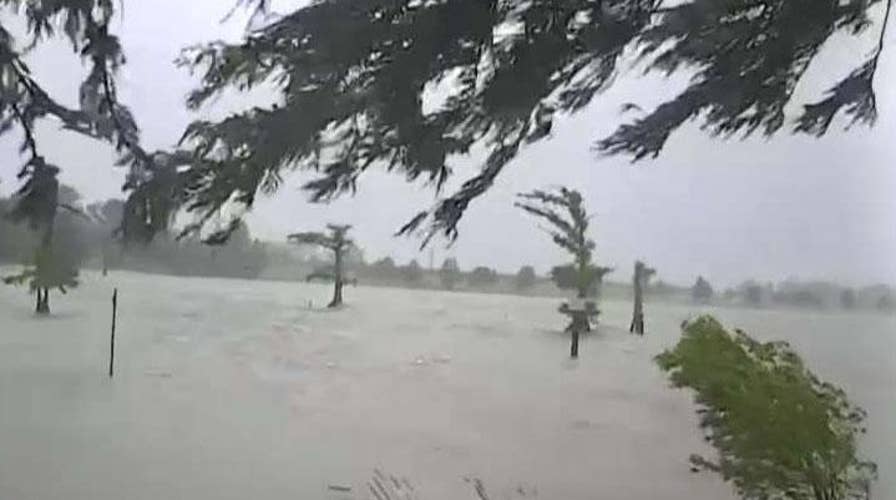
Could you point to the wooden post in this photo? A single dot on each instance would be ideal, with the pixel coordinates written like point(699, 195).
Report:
point(112, 340)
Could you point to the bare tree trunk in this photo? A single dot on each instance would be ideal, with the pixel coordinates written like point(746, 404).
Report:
point(337, 295)
point(43, 301)
point(638, 281)
point(338, 280)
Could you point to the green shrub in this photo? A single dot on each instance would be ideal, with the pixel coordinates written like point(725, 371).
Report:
point(780, 432)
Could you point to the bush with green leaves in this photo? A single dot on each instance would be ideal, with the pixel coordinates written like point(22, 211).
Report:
point(780, 432)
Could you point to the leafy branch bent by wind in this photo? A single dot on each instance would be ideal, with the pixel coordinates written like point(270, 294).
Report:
point(780, 432)
point(84, 24)
point(352, 77)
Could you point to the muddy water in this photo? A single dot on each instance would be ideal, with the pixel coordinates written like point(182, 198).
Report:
point(234, 389)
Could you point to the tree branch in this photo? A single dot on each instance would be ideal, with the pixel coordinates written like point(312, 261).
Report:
point(30, 143)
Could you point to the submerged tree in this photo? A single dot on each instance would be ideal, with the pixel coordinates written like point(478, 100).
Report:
point(640, 280)
point(352, 77)
point(55, 261)
point(564, 210)
point(780, 432)
point(336, 241)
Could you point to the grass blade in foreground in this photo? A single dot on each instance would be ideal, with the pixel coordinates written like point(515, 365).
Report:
point(780, 432)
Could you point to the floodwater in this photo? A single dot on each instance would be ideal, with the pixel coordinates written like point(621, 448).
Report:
point(228, 389)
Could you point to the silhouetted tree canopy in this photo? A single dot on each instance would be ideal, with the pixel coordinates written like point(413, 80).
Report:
point(353, 77)
point(54, 246)
point(336, 240)
point(24, 100)
point(563, 209)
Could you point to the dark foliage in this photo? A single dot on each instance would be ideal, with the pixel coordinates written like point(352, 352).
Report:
point(564, 211)
point(353, 77)
point(337, 241)
point(52, 245)
point(353, 74)
point(24, 101)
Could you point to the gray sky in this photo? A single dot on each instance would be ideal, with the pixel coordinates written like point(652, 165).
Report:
point(793, 206)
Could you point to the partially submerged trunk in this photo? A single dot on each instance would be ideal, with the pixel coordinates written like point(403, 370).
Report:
point(43, 301)
point(639, 281)
point(337, 295)
point(338, 280)
point(637, 325)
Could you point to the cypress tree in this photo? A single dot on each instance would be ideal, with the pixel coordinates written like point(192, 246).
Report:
point(337, 241)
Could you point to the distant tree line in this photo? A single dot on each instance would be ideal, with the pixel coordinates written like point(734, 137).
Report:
point(797, 294)
point(449, 276)
point(87, 235)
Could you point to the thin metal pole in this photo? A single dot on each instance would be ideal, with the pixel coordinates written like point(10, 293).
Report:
point(112, 340)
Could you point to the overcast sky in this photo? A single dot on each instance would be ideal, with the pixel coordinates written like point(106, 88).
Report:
point(793, 206)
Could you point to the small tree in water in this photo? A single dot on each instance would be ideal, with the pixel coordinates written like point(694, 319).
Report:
point(640, 279)
point(564, 210)
point(337, 242)
point(780, 432)
point(54, 263)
